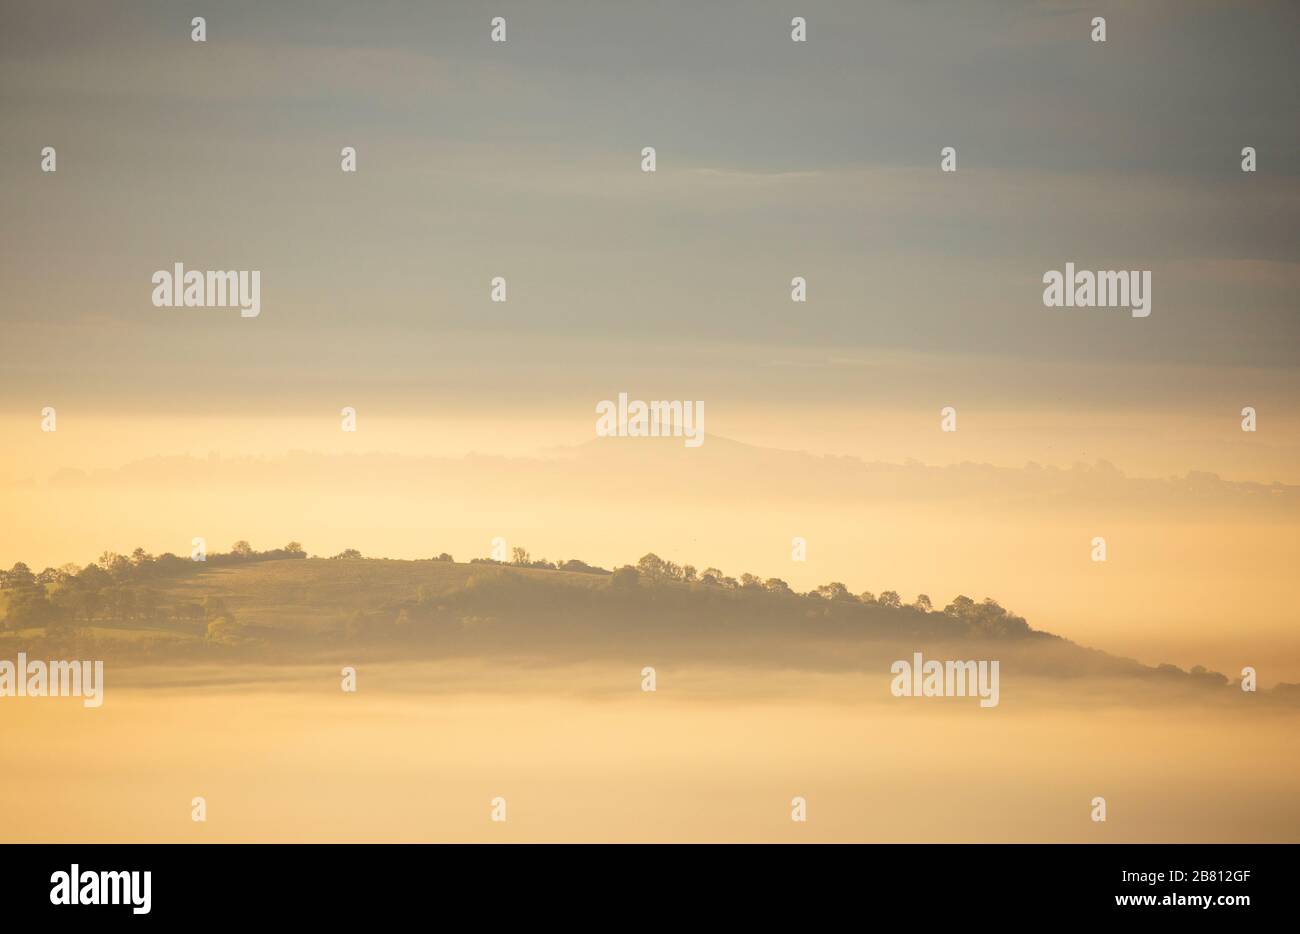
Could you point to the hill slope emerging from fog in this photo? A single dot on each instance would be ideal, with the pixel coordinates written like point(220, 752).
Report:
point(282, 607)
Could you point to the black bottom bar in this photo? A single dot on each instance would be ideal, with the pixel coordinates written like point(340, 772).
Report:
point(654, 885)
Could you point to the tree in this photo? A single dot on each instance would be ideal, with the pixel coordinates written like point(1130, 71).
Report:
point(988, 618)
point(651, 565)
point(116, 566)
point(66, 601)
point(241, 549)
point(625, 578)
point(89, 601)
point(688, 573)
point(94, 577)
point(169, 563)
point(776, 585)
point(295, 549)
point(573, 565)
point(711, 576)
point(833, 591)
point(520, 556)
point(347, 553)
point(923, 603)
point(29, 606)
point(890, 598)
point(20, 575)
point(961, 606)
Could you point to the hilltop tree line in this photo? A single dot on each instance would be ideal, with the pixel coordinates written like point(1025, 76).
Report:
point(653, 569)
point(117, 587)
point(986, 616)
point(653, 574)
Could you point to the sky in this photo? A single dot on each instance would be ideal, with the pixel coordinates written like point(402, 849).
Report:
point(775, 159)
point(521, 159)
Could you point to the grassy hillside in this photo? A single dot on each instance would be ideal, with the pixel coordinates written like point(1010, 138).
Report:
point(281, 606)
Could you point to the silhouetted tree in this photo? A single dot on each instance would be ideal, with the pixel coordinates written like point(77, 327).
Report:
point(960, 606)
point(20, 575)
point(834, 591)
point(651, 565)
point(28, 606)
point(89, 601)
point(625, 578)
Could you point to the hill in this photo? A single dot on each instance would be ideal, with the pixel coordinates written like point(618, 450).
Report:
point(281, 606)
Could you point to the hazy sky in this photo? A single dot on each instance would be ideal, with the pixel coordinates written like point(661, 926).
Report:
point(521, 159)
